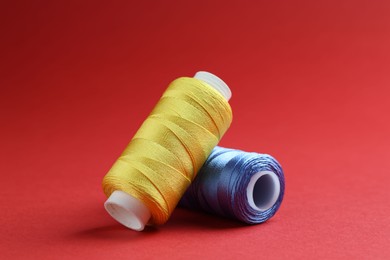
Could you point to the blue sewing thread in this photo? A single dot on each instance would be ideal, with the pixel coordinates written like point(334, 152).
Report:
point(237, 184)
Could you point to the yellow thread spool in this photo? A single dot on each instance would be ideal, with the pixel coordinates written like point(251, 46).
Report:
point(147, 181)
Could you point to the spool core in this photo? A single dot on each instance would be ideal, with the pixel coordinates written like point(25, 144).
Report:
point(130, 211)
point(263, 190)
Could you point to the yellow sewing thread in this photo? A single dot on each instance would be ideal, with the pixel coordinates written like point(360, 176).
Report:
point(170, 147)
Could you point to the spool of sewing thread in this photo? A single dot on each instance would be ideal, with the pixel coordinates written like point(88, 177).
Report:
point(239, 185)
point(147, 181)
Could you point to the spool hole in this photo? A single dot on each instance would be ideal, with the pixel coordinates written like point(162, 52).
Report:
point(263, 190)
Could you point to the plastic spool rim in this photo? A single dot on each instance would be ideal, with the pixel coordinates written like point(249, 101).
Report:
point(127, 210)
point(215, 82)
point(130, 211)
point(263, 190)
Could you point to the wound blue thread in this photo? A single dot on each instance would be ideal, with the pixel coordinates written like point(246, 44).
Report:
point(221, 185)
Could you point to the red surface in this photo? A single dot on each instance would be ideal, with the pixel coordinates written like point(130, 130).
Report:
point(310, 83)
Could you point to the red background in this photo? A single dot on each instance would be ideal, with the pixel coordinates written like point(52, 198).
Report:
point(311, 86)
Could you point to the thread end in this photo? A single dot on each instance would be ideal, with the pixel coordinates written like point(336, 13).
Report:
point(127, 210)
point(215, 82)
point(263, 190)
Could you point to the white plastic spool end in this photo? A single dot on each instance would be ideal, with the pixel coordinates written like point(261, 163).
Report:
point(263, 190)
point(215, 82)
point(127, 210)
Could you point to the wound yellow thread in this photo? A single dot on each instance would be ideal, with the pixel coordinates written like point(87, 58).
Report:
point(171, 146)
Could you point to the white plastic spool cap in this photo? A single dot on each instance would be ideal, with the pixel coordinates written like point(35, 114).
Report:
point(127, 210)
point(215, 82)
point(130, 211)
point(263, 190)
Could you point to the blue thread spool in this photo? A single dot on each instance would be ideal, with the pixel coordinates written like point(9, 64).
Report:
point(237, 184)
